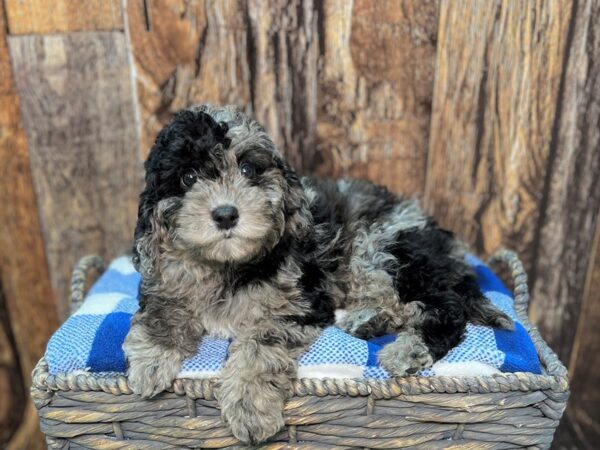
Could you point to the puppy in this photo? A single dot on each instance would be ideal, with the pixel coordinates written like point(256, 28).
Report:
point(231, 242)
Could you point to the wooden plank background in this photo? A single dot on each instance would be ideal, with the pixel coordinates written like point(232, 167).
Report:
point(489, 111)
point(77, 107)
point(27, 302)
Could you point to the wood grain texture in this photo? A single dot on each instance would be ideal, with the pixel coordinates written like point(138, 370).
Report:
point(346, 89)
point(283, 43)
point(12, 390)
point(567, 262)
point(375, 90)
point(305, 69)
point(54, 16)
point(181, 59)
point(27, 313)
point(513, 158)
point(497, 80)
point(77, 106)
point(570, 202)
point(580, 427)
point(261, 55)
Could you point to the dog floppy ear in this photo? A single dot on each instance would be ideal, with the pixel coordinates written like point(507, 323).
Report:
point(152, 225)
point(297, 212)
point(143, 251)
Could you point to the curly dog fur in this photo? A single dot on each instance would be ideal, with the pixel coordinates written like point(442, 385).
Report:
point(231, 242)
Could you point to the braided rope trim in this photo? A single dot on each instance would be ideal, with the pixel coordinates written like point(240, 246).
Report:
point(555, 380)
point(547, 356)
point(79, 276)
point(44, 385)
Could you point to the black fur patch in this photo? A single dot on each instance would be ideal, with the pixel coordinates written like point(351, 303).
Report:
point(256, 271)
point(187, 143)
point(446, 286)
point(312, 281)
point(314, 292)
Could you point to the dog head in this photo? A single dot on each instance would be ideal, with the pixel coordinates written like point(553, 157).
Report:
point(217, 189)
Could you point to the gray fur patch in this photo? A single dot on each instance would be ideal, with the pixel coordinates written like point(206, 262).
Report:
point(352, 320)
point(257, 378)
point(406, 355)
point(152, 368)
point(370, 283)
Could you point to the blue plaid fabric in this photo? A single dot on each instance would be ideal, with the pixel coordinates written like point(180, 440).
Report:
point(92, 338)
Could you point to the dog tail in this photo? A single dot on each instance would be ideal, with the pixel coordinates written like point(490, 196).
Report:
point(483, 312)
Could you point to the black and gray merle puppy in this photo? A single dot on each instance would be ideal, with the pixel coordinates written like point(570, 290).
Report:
point(231, 242)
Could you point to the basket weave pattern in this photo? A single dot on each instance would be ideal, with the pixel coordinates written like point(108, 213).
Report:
point(492, 412)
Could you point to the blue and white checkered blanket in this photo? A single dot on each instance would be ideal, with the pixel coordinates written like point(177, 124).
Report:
point(91, 339)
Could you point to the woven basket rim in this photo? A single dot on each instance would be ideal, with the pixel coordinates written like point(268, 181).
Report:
point(555, 379)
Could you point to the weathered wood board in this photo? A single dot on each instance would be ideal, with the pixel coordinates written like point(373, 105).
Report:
point(27, 302)
point(501, 171)
point(494, 107)
point(54, 16)
point(307, 72)
point(570, 201)
point(227, 52)
point(78, 110)
point(567, 263)
point(374, 90)
point(180, 59)
point(12, 390)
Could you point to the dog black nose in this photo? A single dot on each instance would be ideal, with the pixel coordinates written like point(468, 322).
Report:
point(225, 216)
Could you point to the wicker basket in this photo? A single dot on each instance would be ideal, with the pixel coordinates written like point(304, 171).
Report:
point(510, 410)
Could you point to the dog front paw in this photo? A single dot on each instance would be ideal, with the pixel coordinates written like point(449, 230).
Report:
point(407, 355)
point(151, 368)
point(149, 376)
point(250, 424)
point(356, 322)
point(253, 410)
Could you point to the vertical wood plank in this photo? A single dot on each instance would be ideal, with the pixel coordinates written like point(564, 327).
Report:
point(566, 274)
point(186, 53)
point(261, 55)
point(571, 200)
point(283, 52)
point(580, 427)
point(77, 106)
point(498, 74)
point(12, 390)
point(308, 72)
point(514, 161)
point(54, 16)
point(28, 310)
point(375, 90)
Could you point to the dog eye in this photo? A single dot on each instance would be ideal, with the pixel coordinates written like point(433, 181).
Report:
point(188, 179)
point(247, 169)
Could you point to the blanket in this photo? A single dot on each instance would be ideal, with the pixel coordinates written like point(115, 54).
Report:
point(91, 339)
